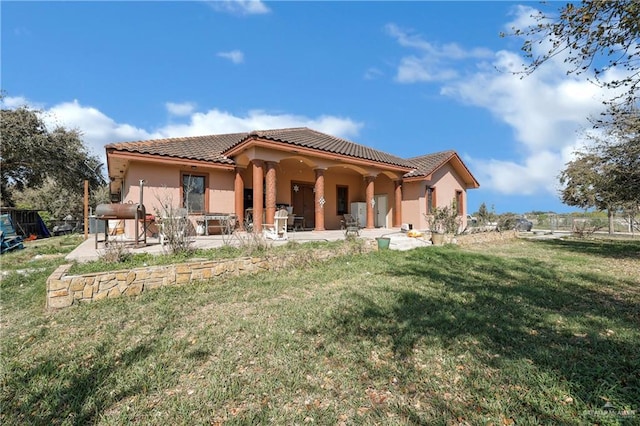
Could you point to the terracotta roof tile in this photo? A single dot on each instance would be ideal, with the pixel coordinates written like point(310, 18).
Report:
point(426, 164)
point(213, 147)
point(308, 138)
point(206, 148)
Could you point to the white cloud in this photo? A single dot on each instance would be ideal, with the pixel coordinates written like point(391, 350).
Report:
point(217, 122)
point(546, 114)
point(529, 17)
point(372, 73)
point(98, 129)
point(546, 110)
point(240, 7)
point(432, 62)
point(534, 175)
point(407, 38)
point(180, 109)
point(12, 102)
point(235, 56)
point(413, 69)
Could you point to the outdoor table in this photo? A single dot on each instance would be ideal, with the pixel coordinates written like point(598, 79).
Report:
point(226, 222)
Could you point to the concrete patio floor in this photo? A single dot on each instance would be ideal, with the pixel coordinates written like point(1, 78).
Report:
point(86, 251)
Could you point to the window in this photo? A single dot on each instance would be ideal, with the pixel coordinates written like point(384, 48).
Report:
point(431, 199)
point(459, 203)
point(342, 202)
point(193, 193)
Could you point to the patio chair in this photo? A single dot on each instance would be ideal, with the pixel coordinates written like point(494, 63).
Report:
point(9, 240)
point(351, 225)
point(291, 218)
point(277, 230)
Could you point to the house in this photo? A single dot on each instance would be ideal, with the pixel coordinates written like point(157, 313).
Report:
point(319, 176)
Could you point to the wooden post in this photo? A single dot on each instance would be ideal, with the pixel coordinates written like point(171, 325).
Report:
point(86, 209)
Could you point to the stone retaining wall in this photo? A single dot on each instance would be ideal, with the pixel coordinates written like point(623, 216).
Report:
point(65, 290)
point(485, 237)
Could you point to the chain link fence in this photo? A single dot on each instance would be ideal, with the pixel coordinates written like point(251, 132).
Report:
point(587, 223)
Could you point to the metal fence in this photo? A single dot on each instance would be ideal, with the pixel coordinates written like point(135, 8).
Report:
point(572, 222)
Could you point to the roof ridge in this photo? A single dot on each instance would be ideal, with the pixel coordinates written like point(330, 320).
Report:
point(175, 138)
point(219, 145)
point(260, 133)
point(453, 151)
point(356, 143)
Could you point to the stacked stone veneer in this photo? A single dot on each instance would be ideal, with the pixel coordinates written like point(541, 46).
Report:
point(65, 290)
point(485, 237)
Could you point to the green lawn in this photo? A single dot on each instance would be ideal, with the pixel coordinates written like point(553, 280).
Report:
point(516, 333)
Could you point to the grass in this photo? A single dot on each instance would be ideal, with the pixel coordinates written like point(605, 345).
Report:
point(39, 253)
point(225, 252)
point(527, 332)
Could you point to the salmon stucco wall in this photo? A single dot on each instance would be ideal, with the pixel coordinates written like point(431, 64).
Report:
point(355, 192)
point(446, 182)
point(162, 186)
point(290, 172)
point(413, 203)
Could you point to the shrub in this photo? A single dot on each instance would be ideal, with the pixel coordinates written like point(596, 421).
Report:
point(585, 227)
point(115, 252)
point(443, 220)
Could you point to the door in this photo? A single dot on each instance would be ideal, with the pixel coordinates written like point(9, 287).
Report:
point(303, 201)
point(380, 211)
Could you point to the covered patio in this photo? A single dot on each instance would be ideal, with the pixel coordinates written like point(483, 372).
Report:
point(86, 251)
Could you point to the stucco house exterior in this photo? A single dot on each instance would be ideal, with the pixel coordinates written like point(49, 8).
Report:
point(317, 175)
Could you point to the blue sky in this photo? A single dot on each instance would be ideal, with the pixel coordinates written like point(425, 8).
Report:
point(408, 78)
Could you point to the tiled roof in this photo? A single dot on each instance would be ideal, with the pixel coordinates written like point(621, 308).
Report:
point(213, 147)
point(426, 164)
point(206, 148)
point(308, 138)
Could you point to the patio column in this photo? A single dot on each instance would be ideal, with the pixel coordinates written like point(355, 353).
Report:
point(369, 191)
point(397, 209)
point(270, 196)
point(258, 208)
point(320, 200)
point(238, 190)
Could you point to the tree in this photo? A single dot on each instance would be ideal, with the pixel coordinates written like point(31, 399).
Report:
point(620, 148)
point(594, 36)
point(58, 200)
point(587, 184)
point(606, 175)
point(30, 154)
point(485, 215)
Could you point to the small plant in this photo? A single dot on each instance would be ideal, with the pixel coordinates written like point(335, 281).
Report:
point(507, 222)
point(115, 252)
point(584, 227)
point(249, 242)
point(177, 232)
point(444, 220)
point(486, 216)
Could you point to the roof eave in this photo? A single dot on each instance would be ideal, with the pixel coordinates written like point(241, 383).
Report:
point(468, 177)
point(253, 140)
point(163, 159)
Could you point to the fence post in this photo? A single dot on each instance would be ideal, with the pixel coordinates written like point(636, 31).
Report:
point(86, 209)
